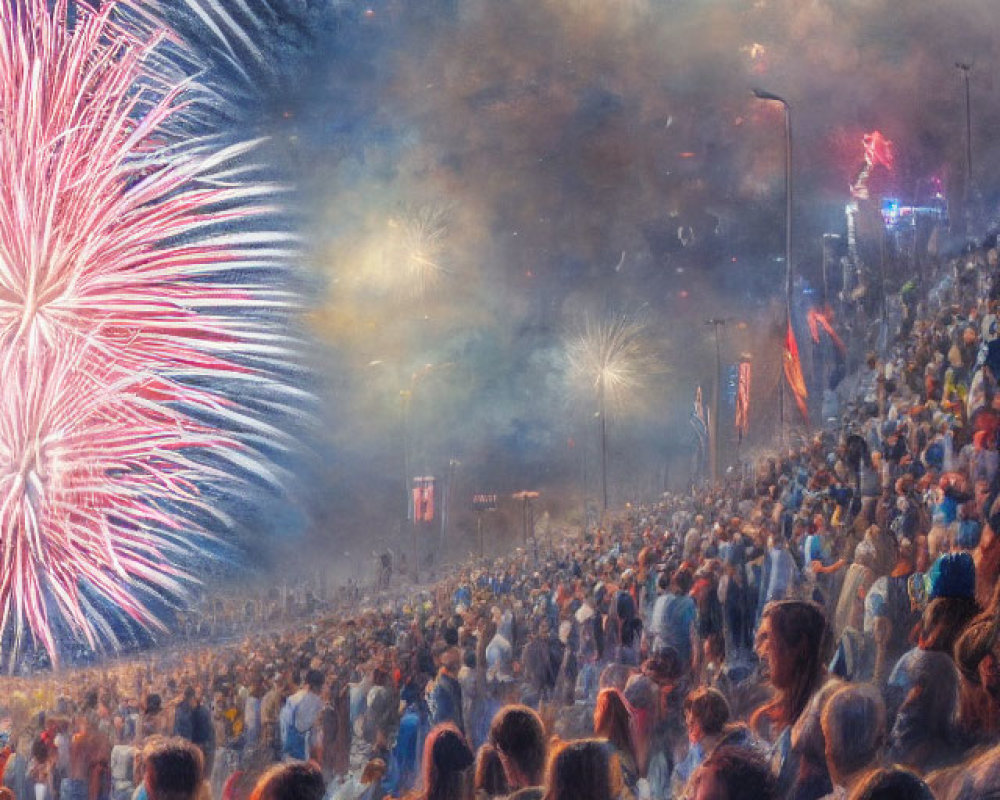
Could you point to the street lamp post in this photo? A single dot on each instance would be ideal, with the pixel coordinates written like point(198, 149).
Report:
point(761, 94)
point(446, 494)
point(527, 514)
point(404, 397)
point(604, 441)
point(828, 243)
point(965, 69)
point(405, 400)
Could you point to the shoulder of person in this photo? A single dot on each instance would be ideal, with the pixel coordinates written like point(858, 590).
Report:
point(529, 793)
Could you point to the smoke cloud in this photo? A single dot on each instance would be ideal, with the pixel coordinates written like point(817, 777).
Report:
point(476, 179)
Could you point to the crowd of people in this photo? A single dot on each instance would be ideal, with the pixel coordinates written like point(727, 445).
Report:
point(827, 628)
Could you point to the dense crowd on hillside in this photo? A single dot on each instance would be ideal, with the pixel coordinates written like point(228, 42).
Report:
point(829, 628)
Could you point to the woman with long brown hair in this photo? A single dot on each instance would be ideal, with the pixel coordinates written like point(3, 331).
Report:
point(490, 780)
point(447, 773)
point(613, 721)
point(792, 642)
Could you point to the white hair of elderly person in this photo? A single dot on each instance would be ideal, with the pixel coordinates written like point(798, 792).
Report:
point(854, 734)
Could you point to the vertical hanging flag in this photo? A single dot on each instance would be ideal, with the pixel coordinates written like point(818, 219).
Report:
point(428, 499)
point(699, 421)
point(743, 400)
point(793, 373)
point(418, 501)
point(732, 385)
point(423, 499)
point(699, 418)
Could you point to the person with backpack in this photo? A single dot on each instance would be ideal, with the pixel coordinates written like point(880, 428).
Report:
point(299, 716)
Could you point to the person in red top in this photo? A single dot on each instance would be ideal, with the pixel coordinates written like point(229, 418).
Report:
point(5, 753)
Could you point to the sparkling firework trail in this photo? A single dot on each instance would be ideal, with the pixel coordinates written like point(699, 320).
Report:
point(615, 351)
point(418, 244)
point(133, 286)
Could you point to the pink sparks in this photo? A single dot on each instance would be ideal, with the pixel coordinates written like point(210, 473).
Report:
point(113, 291)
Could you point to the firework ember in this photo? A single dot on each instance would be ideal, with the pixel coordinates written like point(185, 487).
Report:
point(124, 307)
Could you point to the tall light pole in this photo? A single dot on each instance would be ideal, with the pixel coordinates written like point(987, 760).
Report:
point(446, 495)
point(965, 69)
point(405, 396)
point(828, 243)
point(604, 441)
point(713, 429)
point(761, 94)
point(405, 401)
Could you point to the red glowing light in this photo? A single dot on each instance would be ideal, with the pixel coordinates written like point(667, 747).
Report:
point(683, 293)
point(686, 154)
point(878, 150)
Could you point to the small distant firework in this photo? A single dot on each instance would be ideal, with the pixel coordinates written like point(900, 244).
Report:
point(417, 244)
point(127, 301)
point(613, 356)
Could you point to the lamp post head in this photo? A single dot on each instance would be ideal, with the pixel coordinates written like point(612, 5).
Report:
point(762, 94)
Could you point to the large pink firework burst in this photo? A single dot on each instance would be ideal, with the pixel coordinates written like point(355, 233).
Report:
point(119, 317)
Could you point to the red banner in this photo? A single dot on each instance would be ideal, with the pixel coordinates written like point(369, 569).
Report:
point(743, 400)
point(793, 373)
point(423, 499)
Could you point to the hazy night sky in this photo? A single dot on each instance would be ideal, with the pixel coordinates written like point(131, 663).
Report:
point(477, 181)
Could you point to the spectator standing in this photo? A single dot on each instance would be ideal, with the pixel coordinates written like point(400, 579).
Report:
point(613, 722)
point(122, 767)
point(791, 642)
point(299, 716)
point(675, 618)
point(445, 695)
point(15, 774)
